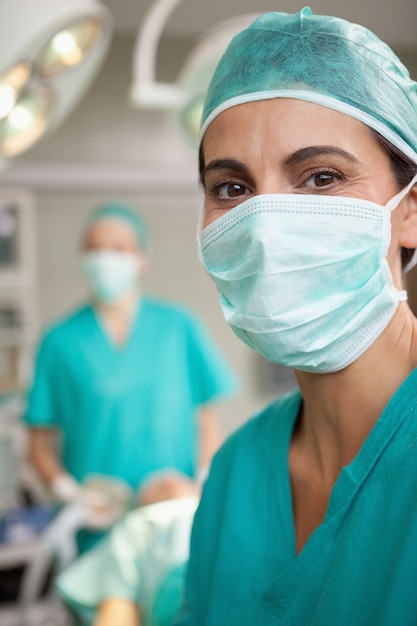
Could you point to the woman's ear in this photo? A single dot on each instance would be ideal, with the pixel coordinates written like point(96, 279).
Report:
point(408, 227)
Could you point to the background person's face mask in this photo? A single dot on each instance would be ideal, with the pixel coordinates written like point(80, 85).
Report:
point(110, 274)
point(304, 279)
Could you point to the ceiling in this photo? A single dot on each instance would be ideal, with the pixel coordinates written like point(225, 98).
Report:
point(394, 21)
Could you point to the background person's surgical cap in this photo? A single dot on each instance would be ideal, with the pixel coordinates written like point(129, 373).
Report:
point(321, 59)
point(121, 212)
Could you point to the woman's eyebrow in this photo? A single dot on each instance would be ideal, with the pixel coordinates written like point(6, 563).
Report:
point(220, 164)
point(314, 151)
point(293, 159)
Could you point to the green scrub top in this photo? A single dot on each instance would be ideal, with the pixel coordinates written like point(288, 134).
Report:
point(358, 567)
point(130, 410)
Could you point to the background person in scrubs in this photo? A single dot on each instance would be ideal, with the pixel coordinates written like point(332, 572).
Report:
point(309, 167)
point(127, 381)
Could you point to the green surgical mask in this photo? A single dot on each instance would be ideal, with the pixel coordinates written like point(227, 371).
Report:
point(304, 280)
point(110, 274)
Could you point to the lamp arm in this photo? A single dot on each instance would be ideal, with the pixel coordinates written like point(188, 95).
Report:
point(145, 91)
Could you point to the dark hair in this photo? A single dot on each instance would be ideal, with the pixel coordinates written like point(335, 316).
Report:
point(201, 162)
point(404, 170)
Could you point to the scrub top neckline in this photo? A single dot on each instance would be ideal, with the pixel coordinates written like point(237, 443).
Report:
point(347, 485)
point(102, 330)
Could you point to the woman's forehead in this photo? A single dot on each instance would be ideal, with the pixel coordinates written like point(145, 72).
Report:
point(284, 125)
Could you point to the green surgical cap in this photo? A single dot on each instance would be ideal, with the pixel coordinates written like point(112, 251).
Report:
point(321, 59)
point(126, 214)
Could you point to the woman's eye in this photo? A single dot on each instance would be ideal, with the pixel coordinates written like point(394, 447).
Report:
point(322, 179)
point(231, 190)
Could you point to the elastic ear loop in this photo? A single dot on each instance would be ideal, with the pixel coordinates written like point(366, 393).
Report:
point(391, 205)
point(395, 201)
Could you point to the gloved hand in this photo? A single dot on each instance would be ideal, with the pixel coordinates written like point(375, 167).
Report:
point(65, 489)
point(101, 511)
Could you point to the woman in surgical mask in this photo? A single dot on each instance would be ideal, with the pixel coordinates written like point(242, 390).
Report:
point(128, 381)
point(308, 160)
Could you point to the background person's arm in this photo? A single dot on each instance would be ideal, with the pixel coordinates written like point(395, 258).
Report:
point(42, 454)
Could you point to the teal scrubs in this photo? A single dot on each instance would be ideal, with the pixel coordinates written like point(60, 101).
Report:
point(358, 568)
point(131, 410)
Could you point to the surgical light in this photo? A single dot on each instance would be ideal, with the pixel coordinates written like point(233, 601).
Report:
point(26, 123)
point(196, 73)
point(69, 46)
point(11, 83)
point(50, 51)
point(182, 100)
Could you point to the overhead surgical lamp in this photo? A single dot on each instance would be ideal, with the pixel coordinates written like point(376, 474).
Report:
point(182, 100)
point(50, 51)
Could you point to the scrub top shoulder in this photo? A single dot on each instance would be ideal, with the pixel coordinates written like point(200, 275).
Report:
point(358, 566)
